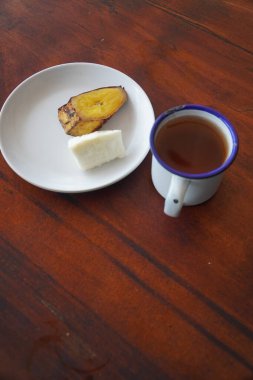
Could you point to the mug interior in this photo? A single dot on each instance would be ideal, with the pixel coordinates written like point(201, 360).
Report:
point(205, 113)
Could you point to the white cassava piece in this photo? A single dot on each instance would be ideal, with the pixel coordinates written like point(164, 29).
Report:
point(97, 148)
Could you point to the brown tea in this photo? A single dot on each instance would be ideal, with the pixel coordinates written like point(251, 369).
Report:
point(191, 145)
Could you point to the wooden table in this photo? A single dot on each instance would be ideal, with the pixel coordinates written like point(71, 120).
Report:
point(103, 285)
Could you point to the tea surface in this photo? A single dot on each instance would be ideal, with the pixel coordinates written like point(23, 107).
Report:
point(191, 145)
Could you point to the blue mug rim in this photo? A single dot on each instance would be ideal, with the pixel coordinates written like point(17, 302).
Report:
point(206, 109)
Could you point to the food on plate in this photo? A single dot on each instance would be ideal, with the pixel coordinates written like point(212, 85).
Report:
point(97, 148)
point(87, 112)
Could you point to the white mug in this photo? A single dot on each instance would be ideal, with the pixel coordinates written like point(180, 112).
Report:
point(181, 188)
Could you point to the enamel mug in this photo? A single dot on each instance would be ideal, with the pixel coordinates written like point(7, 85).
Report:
point(185, 189)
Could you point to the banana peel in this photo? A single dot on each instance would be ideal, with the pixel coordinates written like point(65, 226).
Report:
point(87, 112)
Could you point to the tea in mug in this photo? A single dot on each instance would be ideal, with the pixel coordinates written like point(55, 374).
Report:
point(191, 145)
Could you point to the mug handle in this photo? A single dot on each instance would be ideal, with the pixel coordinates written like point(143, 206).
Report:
point(175, 197)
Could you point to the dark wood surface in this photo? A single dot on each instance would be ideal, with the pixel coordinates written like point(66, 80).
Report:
point(103, 285)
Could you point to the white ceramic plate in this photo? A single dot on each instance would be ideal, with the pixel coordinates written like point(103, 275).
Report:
point(34, 144)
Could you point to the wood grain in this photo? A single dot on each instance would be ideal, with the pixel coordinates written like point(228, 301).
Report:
point(102, 285)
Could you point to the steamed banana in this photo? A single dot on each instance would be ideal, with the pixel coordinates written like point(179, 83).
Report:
point(87, 112)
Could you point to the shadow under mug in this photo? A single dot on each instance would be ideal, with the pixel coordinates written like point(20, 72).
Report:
point(181, 188)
